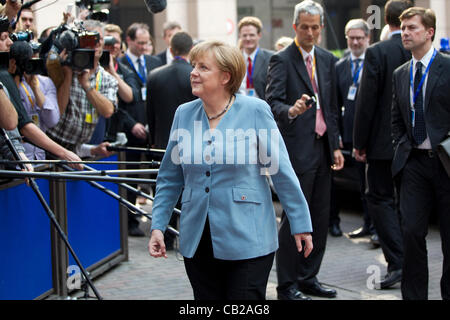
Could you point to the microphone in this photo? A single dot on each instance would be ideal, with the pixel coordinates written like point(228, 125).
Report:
point(155, 6)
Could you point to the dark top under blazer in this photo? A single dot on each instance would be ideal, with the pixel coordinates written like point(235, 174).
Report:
point(260, 71)
point(287, 81)
point(372, 126)
point(169, 86)
point(436, 109)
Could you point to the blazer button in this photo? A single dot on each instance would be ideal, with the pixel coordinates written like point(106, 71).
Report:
point(208, 173)
point(206, 189)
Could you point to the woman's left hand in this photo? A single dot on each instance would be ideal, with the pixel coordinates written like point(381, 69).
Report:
point(299, 237)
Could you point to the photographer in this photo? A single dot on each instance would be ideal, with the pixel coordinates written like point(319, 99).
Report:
point(128, 84)
point(38, 93)
point(25, 126)
point(82, 98)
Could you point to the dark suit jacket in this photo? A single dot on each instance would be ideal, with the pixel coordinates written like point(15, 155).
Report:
point(162, 57)
point(372, 126)
point(287, 81)
point(344, 81)
point(260, 71)
point(436, 109)
point(168, 87)
point(137, 109)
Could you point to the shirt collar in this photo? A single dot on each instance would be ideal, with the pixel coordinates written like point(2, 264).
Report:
point(305, 53)
point(133, 58)
point(251, 55)
point(425, 59)
point(394, 33)
point(353, 57)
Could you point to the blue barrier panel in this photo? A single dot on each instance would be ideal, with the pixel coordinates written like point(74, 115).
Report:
point(93, 219)
point(25, 243)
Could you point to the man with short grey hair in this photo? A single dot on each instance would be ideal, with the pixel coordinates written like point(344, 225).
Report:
point(309, 129)
point(348, 71)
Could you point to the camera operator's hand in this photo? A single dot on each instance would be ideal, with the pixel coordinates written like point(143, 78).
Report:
point(33, 82)
point(83, 79)
point(101, 150)
point(83, 14)
point(28, 166)
point(72, 157)
point(12, 8)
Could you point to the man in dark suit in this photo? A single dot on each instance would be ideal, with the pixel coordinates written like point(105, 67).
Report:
point(169, 29)
point(348, 71)
point(137, 37)
point(296, 73)
point(372, 138)
point(420, 121)
point(169, 86)
point(256, 58)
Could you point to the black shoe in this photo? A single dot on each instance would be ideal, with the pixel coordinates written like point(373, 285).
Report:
point(291, 294)
point(335, 230)
point(375, 241)
point(316, 289)
point(135, 232)
point(391, 278)
point(359, 233)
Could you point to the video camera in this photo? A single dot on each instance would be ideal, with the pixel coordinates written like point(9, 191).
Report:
point(79, 44)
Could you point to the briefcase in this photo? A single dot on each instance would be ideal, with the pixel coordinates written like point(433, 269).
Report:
point(443, 150)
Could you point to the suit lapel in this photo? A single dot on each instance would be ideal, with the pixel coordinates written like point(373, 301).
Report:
point(405, 91)
point(348, 70)
point(300, 66)
point(321, 70)
point(433, 77)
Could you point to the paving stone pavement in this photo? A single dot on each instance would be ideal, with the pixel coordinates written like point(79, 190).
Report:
point(348, 266)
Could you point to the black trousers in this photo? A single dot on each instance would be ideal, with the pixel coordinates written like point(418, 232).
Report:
point(293, 269)
point(216, 279)
point(383, 211)
point(424, 185)
point(336, 203)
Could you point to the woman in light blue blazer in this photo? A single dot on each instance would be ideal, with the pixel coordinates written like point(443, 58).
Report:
point(221, 149)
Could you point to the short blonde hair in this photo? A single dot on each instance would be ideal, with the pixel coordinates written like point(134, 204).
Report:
point(251, 21)
point(228, 59)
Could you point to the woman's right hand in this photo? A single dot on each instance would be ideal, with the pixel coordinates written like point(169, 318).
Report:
point(156, 246)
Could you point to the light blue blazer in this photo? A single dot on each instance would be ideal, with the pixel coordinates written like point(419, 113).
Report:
point(222, 174)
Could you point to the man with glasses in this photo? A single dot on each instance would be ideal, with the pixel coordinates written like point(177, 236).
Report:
point(349, 70)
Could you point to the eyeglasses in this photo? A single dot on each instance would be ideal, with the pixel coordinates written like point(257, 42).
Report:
point(355, 38)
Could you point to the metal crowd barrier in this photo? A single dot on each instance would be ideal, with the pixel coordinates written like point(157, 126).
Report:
point(35, 263)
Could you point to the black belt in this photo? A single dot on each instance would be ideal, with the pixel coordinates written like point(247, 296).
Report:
point(424, 152)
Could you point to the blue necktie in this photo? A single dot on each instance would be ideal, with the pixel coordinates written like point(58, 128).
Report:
point(356, 63)
point(420, 130)
point(141, 68)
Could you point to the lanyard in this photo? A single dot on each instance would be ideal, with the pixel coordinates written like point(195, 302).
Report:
point(250, 76)
point(179, 58)
point(356, 76)
point(141, 76)
point(313, 73)
point(411, 72)
point(28, 94)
